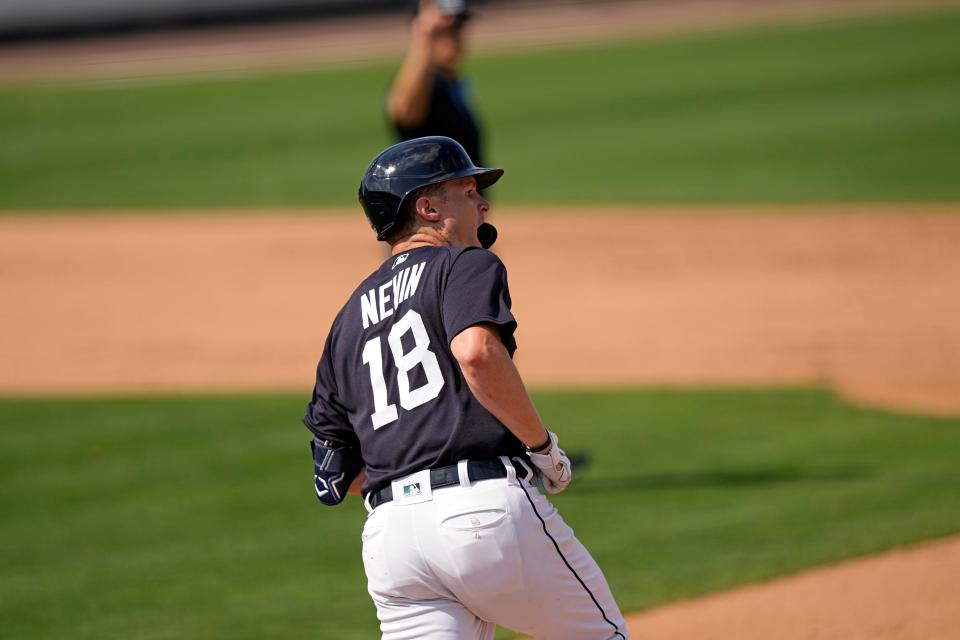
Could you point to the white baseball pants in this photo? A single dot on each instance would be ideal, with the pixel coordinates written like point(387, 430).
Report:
point(452, 563)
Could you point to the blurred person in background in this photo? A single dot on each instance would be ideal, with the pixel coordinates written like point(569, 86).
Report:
point(428, 96)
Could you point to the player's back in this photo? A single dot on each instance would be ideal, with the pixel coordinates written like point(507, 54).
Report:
point(388, 368)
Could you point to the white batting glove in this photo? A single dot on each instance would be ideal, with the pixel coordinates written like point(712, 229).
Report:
point(554, 466)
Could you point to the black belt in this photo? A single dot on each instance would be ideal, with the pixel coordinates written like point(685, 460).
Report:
point(449, 476)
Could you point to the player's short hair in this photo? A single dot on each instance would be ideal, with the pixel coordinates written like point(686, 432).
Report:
point(407, 219)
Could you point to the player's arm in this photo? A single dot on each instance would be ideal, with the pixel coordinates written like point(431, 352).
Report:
point(496, 383)
point(337, 460)
point(480, 326)
point(409, 97)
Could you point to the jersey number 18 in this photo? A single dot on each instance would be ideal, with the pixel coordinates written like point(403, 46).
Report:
point(385, 412)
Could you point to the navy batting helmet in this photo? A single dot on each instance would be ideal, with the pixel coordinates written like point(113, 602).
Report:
point(412, 164)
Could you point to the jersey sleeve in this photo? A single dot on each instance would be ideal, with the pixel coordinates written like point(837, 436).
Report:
point(476, 292)
point(326, 417)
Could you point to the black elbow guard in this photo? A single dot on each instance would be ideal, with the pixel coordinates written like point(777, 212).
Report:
point(334, 468)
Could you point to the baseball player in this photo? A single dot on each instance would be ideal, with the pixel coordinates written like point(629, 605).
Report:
point(418, 406)
point(429, 96)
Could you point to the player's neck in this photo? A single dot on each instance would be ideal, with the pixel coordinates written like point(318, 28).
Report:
point(423, 237)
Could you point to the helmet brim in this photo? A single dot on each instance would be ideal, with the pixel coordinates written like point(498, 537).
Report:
point(485, 177)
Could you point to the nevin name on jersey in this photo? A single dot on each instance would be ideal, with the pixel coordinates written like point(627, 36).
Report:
point(380, 302)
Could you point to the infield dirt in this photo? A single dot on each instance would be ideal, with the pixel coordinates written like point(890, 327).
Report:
point(864, 300)
point(907, 594)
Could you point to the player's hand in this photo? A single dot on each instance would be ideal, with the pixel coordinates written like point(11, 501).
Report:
point(429, 22)
point(554, 465)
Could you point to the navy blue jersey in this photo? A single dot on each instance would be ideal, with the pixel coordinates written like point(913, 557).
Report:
point(388, 382)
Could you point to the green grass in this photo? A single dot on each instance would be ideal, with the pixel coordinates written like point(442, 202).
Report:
point(861, 109)
point(194, 517)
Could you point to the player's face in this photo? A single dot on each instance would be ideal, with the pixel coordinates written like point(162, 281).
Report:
point(464, 210)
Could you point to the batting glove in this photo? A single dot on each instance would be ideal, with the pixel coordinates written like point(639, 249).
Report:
point(554, 466)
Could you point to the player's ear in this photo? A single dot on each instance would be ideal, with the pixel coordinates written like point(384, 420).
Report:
point(425, 209)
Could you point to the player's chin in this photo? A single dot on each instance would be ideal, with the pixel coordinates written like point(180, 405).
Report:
point(474, 242)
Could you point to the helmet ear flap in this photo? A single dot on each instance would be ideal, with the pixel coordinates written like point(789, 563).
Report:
point(384, 231)
point(382, 210)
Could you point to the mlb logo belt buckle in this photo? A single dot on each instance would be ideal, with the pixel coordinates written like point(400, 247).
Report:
point(413, 488)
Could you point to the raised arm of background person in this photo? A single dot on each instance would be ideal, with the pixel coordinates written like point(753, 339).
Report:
point(409, 97)
point(496, 383)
